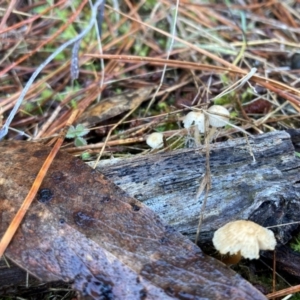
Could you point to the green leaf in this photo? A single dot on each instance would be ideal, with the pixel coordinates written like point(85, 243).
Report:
point(81, 130)
point(71, 132)
point(79, 141)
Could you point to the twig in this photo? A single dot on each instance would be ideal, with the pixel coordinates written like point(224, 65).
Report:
point(168, 56)
point(281, 293)
point(109, 134)
point(48, 122)
point(206, 182)
point(237, 84)
point(7, 13)
point(99, 34)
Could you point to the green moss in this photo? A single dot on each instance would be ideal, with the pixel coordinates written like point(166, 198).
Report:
point(247, 95)
point(85, 156)
point(149, 5)
point(224, 100)
point(166, 126)
point(28, 107)
point(73, 104)
point(141, 50)
point(295, 244)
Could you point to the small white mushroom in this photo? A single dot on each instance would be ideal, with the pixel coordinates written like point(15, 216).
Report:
point(155, 140)
point(194, 118)
point(218, 116)
point(244, 237)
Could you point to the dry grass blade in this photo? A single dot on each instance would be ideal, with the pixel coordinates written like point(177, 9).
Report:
point(7, 13)
point(276, 86)
point(4, 129)
point(5, 70)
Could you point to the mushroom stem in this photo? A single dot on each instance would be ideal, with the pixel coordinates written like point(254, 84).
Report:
point(210, 134)
point(197, 136)
point(231, 259)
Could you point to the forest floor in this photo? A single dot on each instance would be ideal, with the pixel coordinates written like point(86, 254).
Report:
point(142, 67)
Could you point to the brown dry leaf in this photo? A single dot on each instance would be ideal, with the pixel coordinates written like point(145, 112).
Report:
point(84, 229)
point(114, 106)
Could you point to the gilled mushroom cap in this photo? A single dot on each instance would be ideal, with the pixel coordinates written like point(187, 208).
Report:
point(194, 118)
point(155, 140)
point(215, 120)
point(245, 237)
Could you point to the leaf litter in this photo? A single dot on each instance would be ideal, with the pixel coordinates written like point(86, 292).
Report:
point(228, 39)
point(84, 229)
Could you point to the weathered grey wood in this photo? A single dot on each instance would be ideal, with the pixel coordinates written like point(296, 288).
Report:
point(168, 183)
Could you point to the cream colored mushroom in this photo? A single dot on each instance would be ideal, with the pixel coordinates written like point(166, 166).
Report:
point(244, 237)
point(155, 140)
point(194, 118)
point(218, 116)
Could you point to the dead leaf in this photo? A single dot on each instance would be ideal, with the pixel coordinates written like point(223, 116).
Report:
point(114, 106)
point(83, 228)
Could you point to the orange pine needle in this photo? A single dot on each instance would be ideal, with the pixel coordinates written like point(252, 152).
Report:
point(284, 292)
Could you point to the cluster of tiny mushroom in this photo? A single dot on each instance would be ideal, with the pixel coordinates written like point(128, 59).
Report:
point(245, 238)
point(241, 238)
point(218, 116)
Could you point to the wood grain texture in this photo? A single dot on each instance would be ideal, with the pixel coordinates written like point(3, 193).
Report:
point(266, 190)
point(84, 229)
point(168, 182)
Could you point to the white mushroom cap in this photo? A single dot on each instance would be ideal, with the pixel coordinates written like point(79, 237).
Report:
point(194, 118)
point(214, 119)
point(189, 119)
point(245, 237)
point(155, 140)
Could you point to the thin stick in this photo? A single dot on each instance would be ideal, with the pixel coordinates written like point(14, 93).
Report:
point(274, 274)
point(48, 122)
point(100, 48)
point(173, 33)
point(109, 134)
point(237, 85)
point(287, 291)
point(279, 88)
point(7, 13)
point(15, 223)
point(206, 182)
